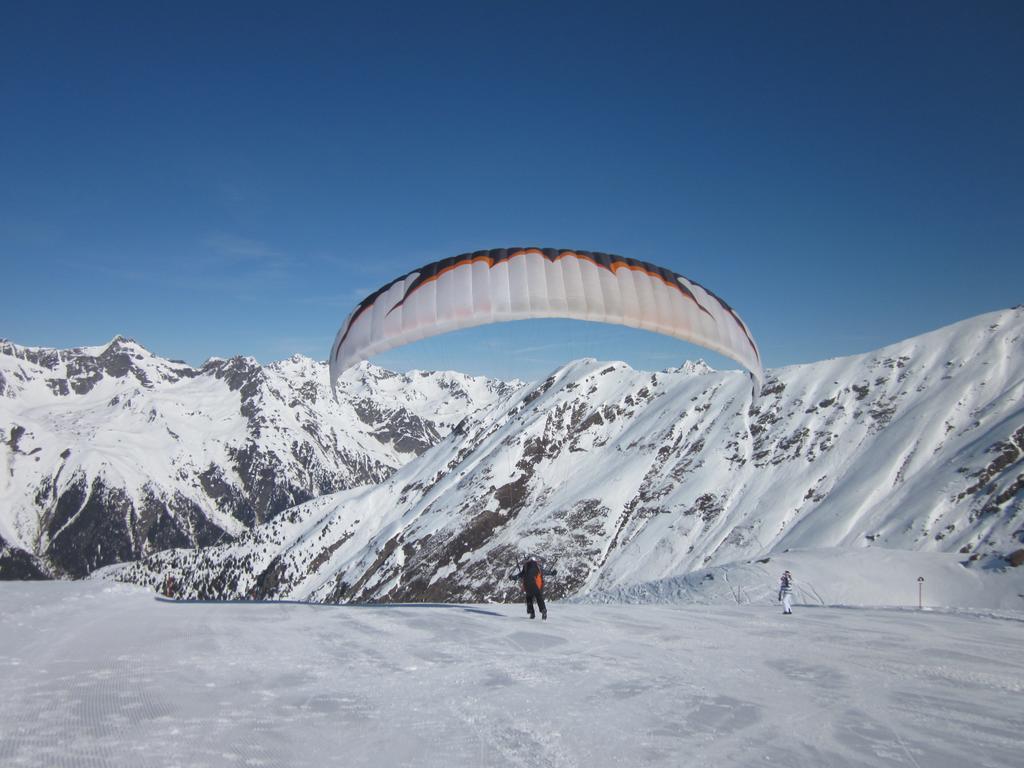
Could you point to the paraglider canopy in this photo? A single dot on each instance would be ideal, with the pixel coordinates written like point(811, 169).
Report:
point(506, 284)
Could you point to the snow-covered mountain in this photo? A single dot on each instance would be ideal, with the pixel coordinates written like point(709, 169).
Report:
point(621, 477)
point(111, 452)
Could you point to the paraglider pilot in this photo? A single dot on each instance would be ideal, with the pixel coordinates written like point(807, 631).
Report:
point(531, 579)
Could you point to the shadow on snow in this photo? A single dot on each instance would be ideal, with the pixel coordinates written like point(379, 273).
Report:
point(369, 606)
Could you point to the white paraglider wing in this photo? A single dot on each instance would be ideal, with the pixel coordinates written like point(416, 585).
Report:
point(518, 283)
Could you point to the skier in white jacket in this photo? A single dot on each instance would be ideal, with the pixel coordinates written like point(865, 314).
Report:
point(786, 592)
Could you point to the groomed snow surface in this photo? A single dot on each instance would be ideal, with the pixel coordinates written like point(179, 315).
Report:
point(95, 674)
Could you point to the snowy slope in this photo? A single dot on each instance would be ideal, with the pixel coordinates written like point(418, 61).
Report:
point(111, 452)
point(851, 577)
point(105, 675)
point(622, 477)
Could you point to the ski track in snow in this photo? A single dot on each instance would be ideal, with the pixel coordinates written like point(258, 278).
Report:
point(99, 675)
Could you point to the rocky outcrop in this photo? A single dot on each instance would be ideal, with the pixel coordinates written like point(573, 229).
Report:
point(18, 565)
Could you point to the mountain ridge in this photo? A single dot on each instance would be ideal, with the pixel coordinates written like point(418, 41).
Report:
point(627, 477)
point(110, 452)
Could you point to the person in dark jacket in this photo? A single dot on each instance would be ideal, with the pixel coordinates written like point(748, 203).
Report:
point(531, 579)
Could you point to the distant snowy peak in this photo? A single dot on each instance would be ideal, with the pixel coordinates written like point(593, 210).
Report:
point(693, 368)
point(110, 452)
point(77, 371)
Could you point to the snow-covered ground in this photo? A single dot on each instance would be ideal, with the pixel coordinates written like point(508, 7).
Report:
point(95, 674)
point(870, 577)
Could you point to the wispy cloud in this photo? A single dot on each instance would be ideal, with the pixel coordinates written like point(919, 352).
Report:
point(236, 248)
point(253, 267)
point(96, 266)
point(283, 347)
point(30, 232)
point(341, 301)
point(540, 348)
point(230, 193)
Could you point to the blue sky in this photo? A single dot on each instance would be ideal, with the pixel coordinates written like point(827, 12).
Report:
point(222, 178)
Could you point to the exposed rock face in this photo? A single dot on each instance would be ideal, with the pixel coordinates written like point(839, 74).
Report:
point(619, 476)
point(111, 453)
point(18, 565)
